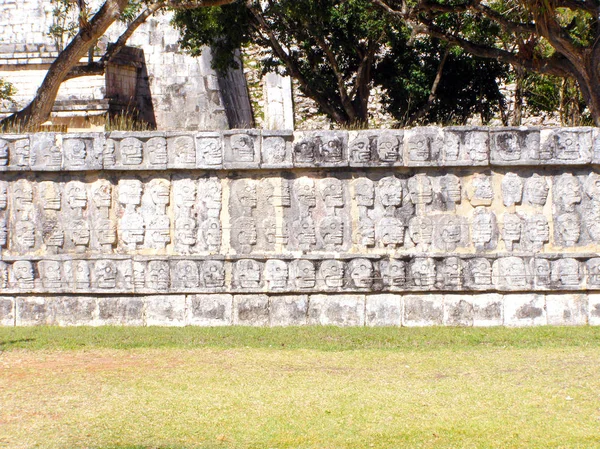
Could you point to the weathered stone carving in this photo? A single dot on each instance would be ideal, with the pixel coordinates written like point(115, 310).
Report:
point(541, 272)
point(77, 274)
point(423, 145)
point(480, 191)
point(244, 235)
point(566, 273)
point(421, 232)
point(420, 189)
point(183, 151)
point(210, 152)
point(423, 272)
point(3, 195)
point(24, 275)
point(276, 274)
point(484, 229)
point(332, 232)
point(75, 153)
point(331, 274)
point(451, 189)
point(567, 228)
point(567, 191)
point(537, 232)
point(51, 274)
point(390, 232)
point(593, 272)
point(512, 189)
point(303, 274)
point(390, 192)
point(187, 275)
point(450, 274)
point(393, 273)
point(536, 190)
point(510, 273)
point(361, 273)
point(305, 233)
point(360, 150)
point(332, 193)
point(247, 273)
point(158, 275)
point(4, 145)
point(274, 150)
point(449, 232)
point(213, 274)
point(512, 227)
point(156, 148)
point(132, 151)
point(480, 273)
point(388, 147)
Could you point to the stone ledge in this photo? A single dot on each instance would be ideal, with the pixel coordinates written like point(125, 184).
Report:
point(426, 148)
point(513, 310)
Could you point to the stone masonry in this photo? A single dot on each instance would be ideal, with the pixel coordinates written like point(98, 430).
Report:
point(424, 226)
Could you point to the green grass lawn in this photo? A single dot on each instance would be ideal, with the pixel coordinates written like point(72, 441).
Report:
point(312, 387)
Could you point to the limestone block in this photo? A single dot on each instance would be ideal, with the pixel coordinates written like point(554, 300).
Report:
point(423, 146)
point(209, 150)
point(241, 149)
point(136, 151)
point(383, 310)
point(74, 310)
point(209, 310)
point(121, 311)
point(15, 153)
point(376, 148)
point(458, 310)
point(182, 151)
point(567, 309)
point(46, 152)
point(165, 310)
point(516, 146)
point(336, 310)
point(82, 151)
point(594, 309)
point(251, 310)
point(511, 274)
point(423, 310)
point(289, 310)
point(567, 146)
point(488, 310)
point(33, 311)
point(525, 310)
point(321, 149)
point(276, 149)
point(7, 311)
point(465, 146)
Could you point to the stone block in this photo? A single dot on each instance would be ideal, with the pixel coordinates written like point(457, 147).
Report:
point(165, 310)
point(525, 310)
point(7, 311)
point(276, 149)
point(516, 146)
point(567, 146)
point(423, 310)
point(321, 149)
point(83, 151)
point(251, 310)
point(46, 152)
point(458, 310)
point(488, 310)
point(209, 150)
point(33, 311)
point(465, 146)
point(135, 151)
point(74, 310)
point(567, 309)
point(289, 310)
point(376, 148)
point(423, 146)
point(336, 310)
point(121, 311)
point(241, 149)
point(209, 310)
point(383, 310)
point(594, 309)
point(182, 151)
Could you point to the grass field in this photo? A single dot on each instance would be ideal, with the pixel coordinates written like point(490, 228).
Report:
point(313, 387)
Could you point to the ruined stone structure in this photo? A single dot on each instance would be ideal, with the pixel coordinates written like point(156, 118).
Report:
point(426, 226)
point(169, 88)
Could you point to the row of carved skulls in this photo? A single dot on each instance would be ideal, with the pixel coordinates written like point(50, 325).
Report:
point(506, 273)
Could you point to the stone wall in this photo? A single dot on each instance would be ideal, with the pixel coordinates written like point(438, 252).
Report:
point(426, 226)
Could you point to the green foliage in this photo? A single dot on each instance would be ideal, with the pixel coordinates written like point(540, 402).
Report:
point(308, 29)
point(7, 90)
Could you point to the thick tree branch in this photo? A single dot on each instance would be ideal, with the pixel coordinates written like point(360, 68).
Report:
point(263, 28)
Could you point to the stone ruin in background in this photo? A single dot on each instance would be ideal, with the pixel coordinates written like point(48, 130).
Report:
point(455, 226)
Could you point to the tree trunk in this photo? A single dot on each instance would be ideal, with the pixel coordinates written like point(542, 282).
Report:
point(39, 110)
point(517, 118)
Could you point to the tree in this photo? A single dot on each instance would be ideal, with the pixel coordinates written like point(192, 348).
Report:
point(336, 50)
point(560, 38)
point(66, 65)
